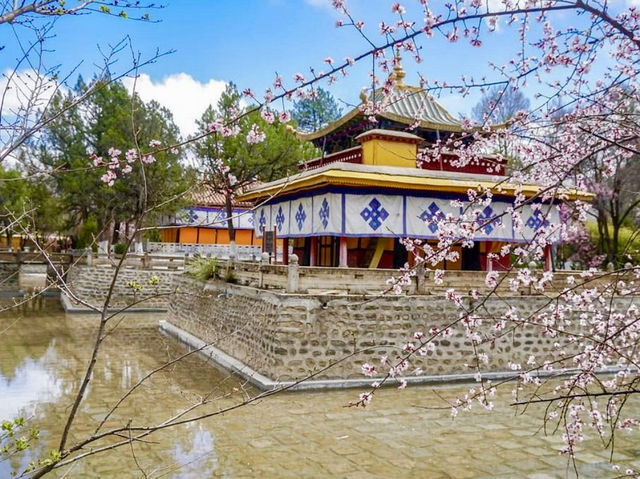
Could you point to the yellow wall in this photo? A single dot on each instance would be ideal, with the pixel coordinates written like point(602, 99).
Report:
point(244, 237)
point(170, 235)
point(188, 235)
point(15, 242)
point(207, 236)
point(389, 153)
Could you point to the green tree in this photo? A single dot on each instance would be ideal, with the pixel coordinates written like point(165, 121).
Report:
point(231, 162)
point(13, 189)
point(105, 122)
point(615, 180)
point(311, 114)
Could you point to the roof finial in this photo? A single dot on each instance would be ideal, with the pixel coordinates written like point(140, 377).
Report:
point(398, 72)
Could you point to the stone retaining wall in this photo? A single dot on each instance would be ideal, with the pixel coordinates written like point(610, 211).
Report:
point(8, 277)
point(91, 283)
point(288, 336)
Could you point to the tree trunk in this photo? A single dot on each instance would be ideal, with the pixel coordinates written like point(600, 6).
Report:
point(230, 228)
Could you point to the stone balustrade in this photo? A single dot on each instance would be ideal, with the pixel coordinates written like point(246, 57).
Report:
point(313, 279)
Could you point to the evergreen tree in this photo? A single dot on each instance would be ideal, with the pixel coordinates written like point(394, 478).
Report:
point(231, 162)
point(311, 114)
point(111, 118)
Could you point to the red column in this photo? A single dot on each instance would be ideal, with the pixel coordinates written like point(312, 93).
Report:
point(487, 252)
point(285, 250)
point(343, 252)
point(313, 250)
point(548, 260)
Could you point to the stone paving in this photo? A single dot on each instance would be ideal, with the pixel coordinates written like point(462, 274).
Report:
point(293, 435)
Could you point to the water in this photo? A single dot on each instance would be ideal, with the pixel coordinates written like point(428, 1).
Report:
point(290, 435)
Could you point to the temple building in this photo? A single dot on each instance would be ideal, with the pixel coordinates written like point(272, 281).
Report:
point(352, 206)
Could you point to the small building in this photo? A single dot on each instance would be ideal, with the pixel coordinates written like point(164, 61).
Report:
point(352, 206)
point(204, 221)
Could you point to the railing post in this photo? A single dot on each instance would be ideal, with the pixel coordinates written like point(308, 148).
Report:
point(293, 274)
point(421, 279)
point(146, 260)
point(89, 255)
point(264, 260)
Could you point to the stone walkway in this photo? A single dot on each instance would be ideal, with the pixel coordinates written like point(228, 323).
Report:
point(313, 435)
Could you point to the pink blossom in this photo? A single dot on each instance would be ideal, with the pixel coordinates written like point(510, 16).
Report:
point(268, 116)
point(397, 8)
point(285, 117)
point(369, 370)
point(131, 155)
point(255, 136)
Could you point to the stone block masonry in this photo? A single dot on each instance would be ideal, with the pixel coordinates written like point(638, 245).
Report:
point(286, 337)
point(9, 277)
point(91, 284)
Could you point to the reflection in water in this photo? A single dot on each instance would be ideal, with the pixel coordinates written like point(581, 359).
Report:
point(290, 435)
point(31, 382)
point(200, 459)
point(40, 368)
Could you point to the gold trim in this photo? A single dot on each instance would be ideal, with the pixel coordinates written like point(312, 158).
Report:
point(403, 182)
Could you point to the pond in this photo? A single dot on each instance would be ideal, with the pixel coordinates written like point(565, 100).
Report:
point(303, 434)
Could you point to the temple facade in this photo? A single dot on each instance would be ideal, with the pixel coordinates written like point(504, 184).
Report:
point(352, 206)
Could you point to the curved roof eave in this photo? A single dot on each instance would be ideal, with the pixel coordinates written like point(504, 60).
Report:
point(388, 115)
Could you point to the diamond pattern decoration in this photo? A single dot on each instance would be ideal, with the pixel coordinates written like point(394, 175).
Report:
point(262, 221)
point(431, 216)
point(300, 217)
point(324, 213)
point(484, 220)
point(192, 215)
point(280, 219)
point(536, 221)
point(375, 214)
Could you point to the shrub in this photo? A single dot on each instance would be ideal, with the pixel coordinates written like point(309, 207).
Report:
point(230, 276)
point(120, 248)
point(203, 268)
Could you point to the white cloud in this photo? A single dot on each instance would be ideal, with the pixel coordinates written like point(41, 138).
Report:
point(25, 92)
point(183, 95)
point(24, 98)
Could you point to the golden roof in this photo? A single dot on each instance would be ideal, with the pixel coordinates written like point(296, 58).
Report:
point(404, 105)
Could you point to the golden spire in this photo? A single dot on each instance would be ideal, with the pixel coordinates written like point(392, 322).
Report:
point(398, 73)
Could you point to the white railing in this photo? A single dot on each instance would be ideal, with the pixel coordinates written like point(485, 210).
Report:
point(243, 252)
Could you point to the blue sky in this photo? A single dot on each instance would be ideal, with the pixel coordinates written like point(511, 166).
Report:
point(247, 41)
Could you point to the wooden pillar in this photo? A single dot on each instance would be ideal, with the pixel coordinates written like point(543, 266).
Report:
point(548, 260)
point(343, 252)
point(285, 250)
point(313, 250)
point(488, 258)
point(275, 244)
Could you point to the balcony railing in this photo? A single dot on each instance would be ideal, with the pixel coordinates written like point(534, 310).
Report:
point(351, 155)
point(451, 162)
